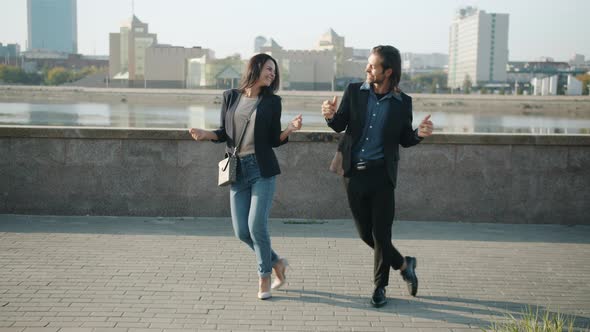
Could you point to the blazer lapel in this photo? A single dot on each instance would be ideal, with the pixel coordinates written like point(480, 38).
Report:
point(229, 115)
point(362, 107)
point(260, 110)
point(393, 116)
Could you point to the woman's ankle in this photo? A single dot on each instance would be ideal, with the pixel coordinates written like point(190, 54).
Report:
point(264, 284)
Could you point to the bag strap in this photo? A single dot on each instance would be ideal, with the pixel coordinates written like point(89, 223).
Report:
point(237, 147)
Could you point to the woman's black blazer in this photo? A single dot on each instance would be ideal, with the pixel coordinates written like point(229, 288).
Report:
point(267, 129)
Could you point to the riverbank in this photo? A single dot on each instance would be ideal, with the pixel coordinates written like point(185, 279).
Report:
point(571, 106)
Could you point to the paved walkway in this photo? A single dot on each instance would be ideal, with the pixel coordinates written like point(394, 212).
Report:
point(174, 274)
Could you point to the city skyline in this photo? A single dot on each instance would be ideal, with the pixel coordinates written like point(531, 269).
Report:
point(537, 28)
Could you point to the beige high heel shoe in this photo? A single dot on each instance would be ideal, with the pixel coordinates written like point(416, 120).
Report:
point(281, 276)
point(264, 292)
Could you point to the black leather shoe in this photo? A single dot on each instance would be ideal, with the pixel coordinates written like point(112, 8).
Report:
point(378, 299)
point(409, 275)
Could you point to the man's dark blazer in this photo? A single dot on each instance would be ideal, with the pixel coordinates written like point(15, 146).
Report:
point(267, 129)
point(352, 115)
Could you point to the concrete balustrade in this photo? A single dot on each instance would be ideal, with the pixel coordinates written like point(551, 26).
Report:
point(471, 178)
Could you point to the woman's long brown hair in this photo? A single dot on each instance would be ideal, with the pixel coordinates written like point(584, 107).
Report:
point(253, 71)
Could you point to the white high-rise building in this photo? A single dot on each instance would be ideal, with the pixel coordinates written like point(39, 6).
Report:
point(577, 60)
point(478, 47)
point(574, 86)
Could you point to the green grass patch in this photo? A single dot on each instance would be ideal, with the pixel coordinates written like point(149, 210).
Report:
point(535, 321)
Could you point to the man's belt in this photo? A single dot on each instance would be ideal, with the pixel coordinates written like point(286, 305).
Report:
point(368, 164)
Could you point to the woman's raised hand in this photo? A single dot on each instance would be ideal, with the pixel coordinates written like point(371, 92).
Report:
point(296, 123)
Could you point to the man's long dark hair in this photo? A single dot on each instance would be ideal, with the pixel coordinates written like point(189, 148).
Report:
point(391, 58)
point(253, 71)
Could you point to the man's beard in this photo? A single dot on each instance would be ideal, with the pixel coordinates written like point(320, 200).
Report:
point(373, 80)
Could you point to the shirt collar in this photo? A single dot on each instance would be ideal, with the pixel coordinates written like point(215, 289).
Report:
point(367, 86)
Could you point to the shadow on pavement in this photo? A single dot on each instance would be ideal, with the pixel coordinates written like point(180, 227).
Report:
point(449, 309)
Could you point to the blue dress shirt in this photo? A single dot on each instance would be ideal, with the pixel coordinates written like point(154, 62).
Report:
point(370, 146)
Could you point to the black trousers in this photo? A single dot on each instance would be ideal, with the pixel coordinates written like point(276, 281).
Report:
point(372, 202)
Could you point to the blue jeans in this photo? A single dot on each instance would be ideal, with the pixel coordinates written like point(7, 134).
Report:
point(250, 201)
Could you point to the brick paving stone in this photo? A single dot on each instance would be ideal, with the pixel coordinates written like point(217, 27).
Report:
point(131, 274)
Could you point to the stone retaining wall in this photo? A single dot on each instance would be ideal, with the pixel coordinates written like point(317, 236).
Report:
point(471, 178)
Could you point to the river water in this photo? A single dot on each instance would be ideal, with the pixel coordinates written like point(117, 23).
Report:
point(124, 115)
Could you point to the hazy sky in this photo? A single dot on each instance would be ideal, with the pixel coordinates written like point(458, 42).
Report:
point(537, 27)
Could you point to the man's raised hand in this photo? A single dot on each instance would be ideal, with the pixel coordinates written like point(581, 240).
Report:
point(425, 127)
point(329, 108)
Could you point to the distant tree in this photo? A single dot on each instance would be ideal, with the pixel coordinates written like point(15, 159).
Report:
point(467, 84)
point(11, 74)
point(15, 75)
point(33, 79)
point(58, 76)
point(585, 79)
point(433, 87)
point(561, 87)
point(79, 74)
point(429, 82)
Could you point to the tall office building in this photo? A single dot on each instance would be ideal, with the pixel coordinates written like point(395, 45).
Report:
point(52, 25)
point(478, 47)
